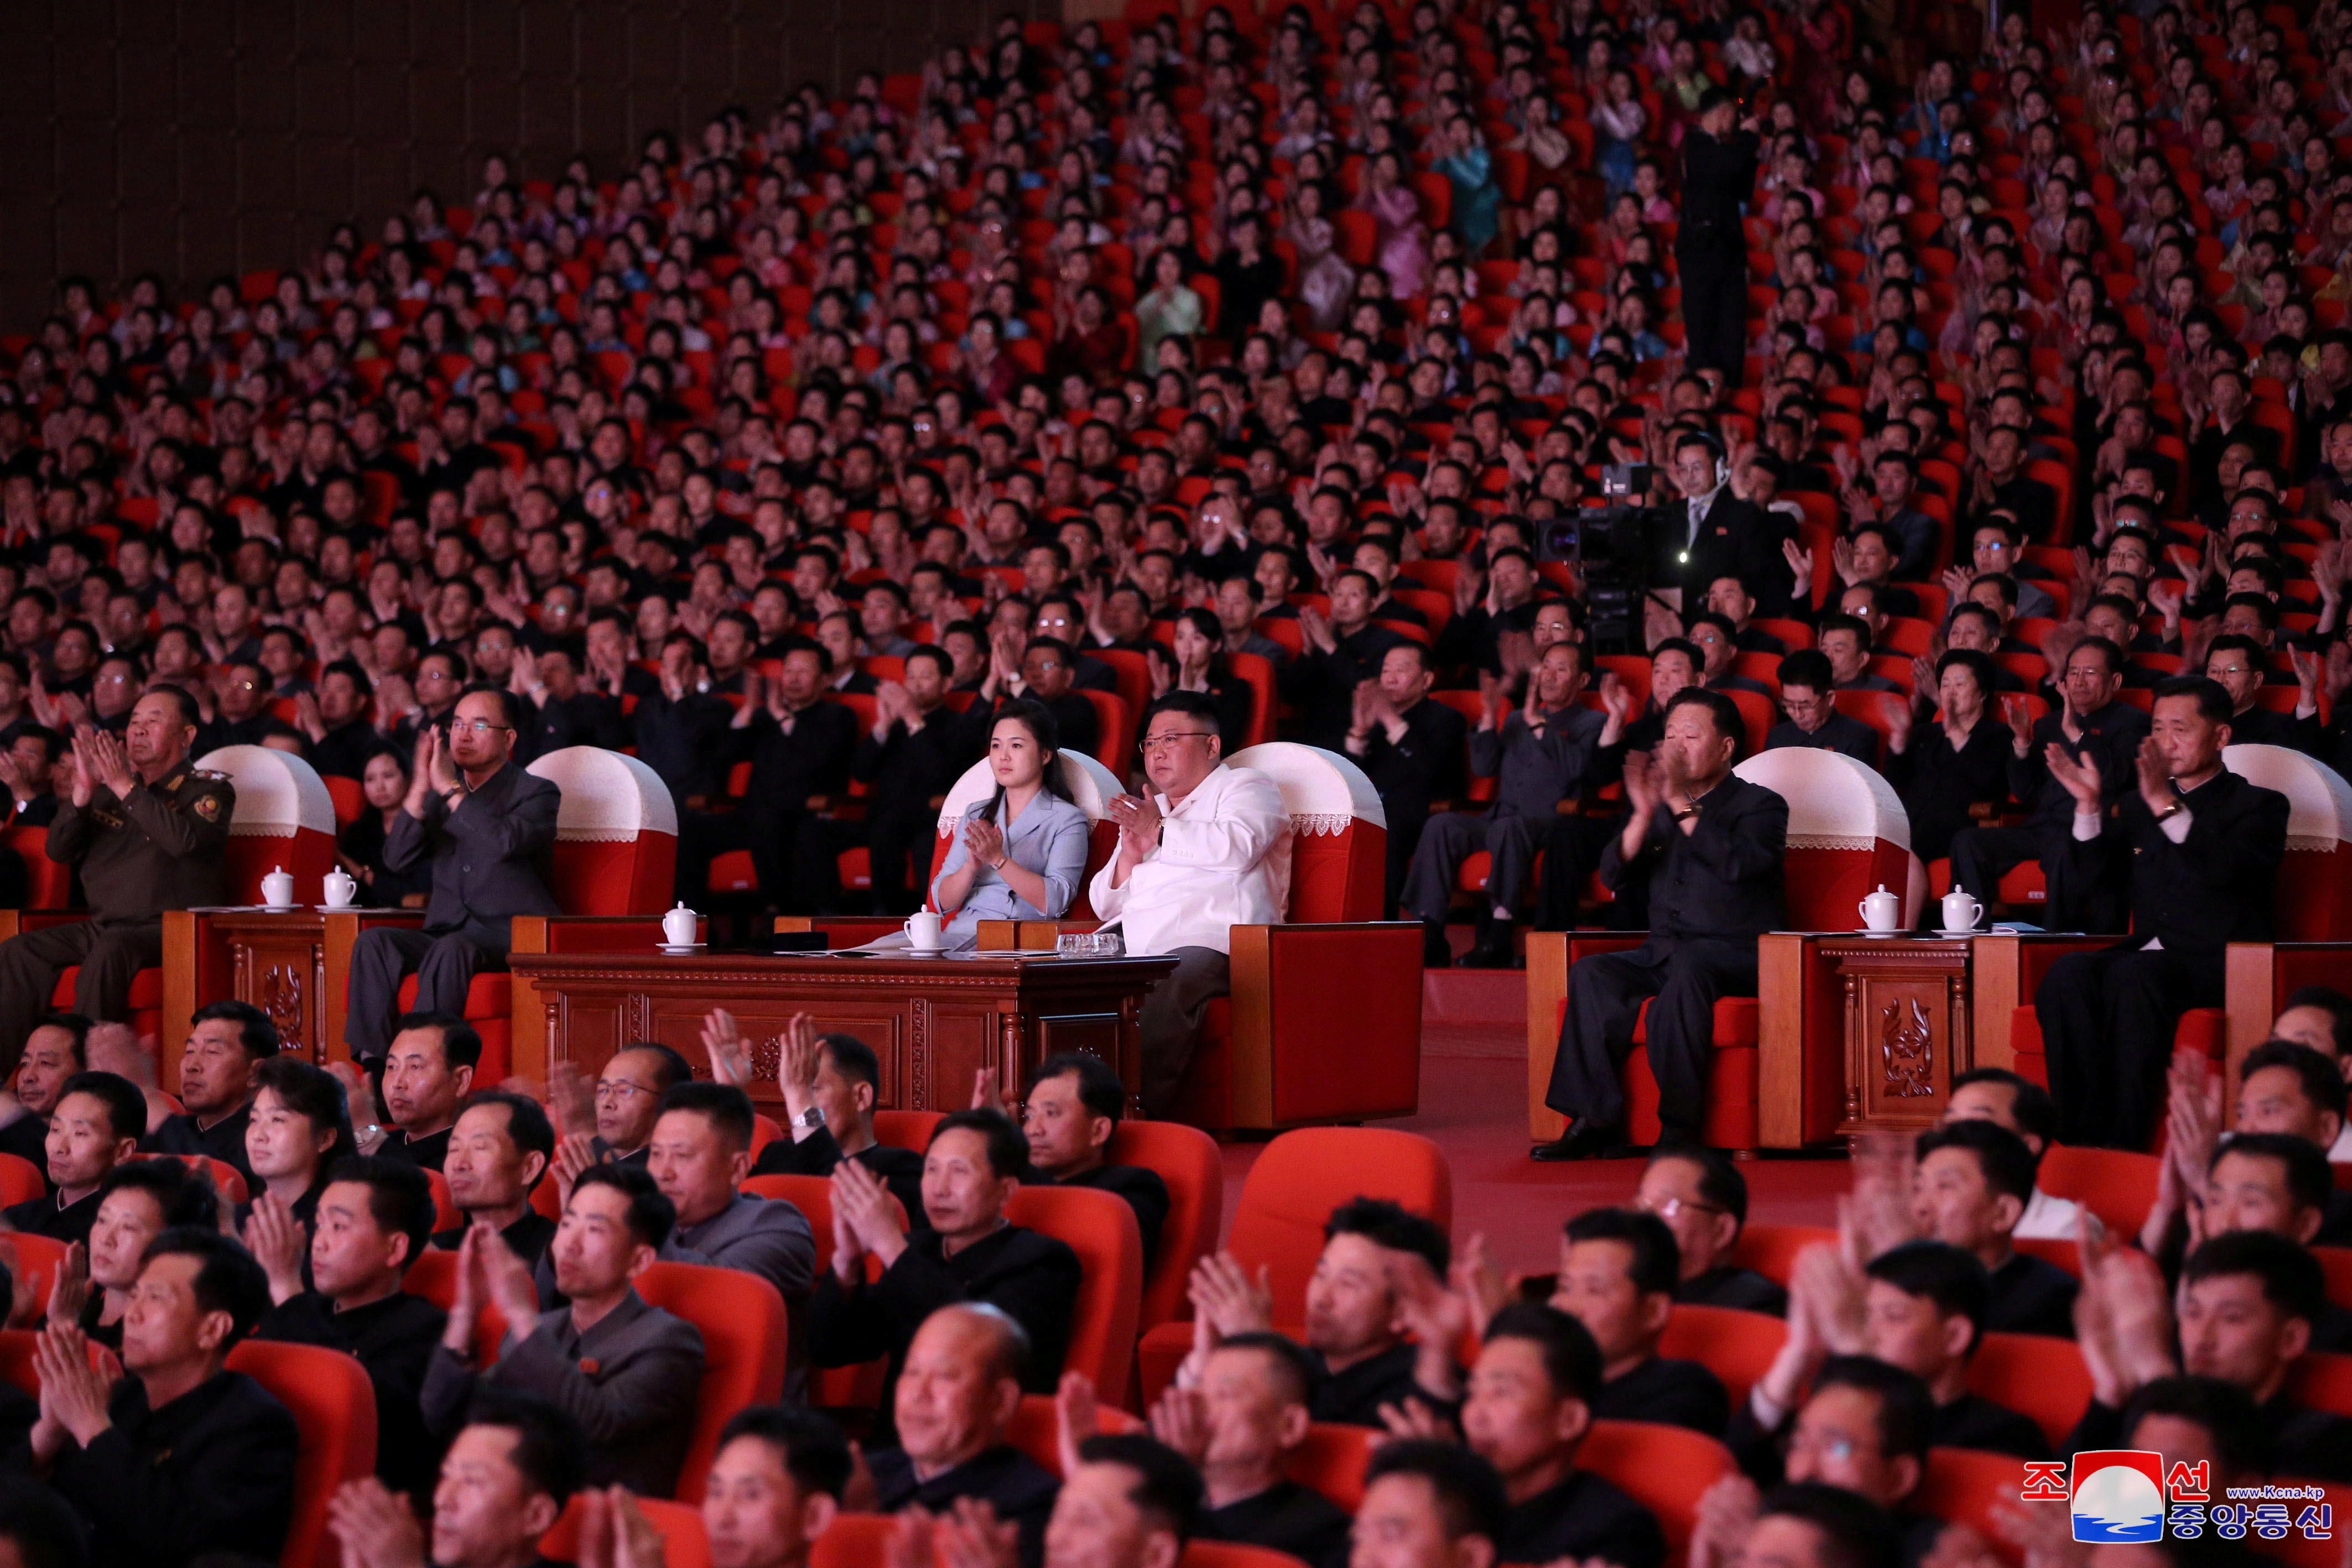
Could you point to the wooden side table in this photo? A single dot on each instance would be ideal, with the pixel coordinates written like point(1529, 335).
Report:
point(1904, 1006)
point(276, 959)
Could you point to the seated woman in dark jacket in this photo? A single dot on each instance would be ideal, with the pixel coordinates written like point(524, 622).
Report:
point(1196, 663)
point(1943, 766)
point(359, 847)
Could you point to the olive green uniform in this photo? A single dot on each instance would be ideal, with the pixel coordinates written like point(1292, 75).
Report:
point(164, 847)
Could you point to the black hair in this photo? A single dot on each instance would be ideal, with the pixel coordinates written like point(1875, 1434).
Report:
point(1721, 709)
point(673, 1069)
point(312, 1093)
point(74, 1024)
point(1387, 1224)
point(510, 706)
point(1975, 661)
point(651, 1215)
point(1906, 1410)
point(1167, 1487)
point(2331, 1001)
point(814, 1453)
point(1571, 1357)
point(2227, 1412)
point(1100, 1090)
point(228, 1279)
point(43, 1527)
point(1191, 704)
point(184, 1195)
point(1949, 1275)
point(2211, 698)
point(726, 1107)
point(190, 714)
point(1656, 1266)
point(2006, 1163)
point(2323, 1084)
point(254, 1031)
point(1720, 1181)
point(1807, 667)
point(1470, 1496)
point(126, 1107)
point(2291, 1275)
point(853, 1059)
point(1294, 1368)
point(1044, 728)
point(1008, 1151)
point(551, 1451)
point(528, 1127)
point(461, 1046)
point(400, 1196)
point(1856, 1533)
point(2310, 1179)
point(2030, 1103)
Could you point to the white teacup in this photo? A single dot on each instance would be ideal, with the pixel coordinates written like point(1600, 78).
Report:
point(923, 931)
point(277, 888)
point(1961, 912)
point(340, 889)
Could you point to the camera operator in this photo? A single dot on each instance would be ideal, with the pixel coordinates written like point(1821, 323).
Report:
point(1710, 251)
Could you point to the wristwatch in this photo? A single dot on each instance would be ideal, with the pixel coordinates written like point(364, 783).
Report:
point(813, 1118)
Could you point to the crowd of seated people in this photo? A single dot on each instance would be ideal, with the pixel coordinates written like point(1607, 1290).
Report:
point(1198, 380)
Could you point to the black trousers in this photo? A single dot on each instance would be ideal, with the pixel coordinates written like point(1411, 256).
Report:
point(1982, 856)
point(898, 855)
point(1405, 828)
point(445, 966)
point(2108, 1019)
point(1715, 310)
point(111, 957)
point(1572, 850)
point(1455, 837)
point(1680, 978)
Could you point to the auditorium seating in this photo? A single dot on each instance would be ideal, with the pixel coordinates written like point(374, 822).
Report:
point(21, 1180)
point(1187, 1159)
point(1085, 781)
point(742, 1321)
point(333, 1405)
point(1290, 1193)
point(684, 1544)
point(2036, 1375)
point(1036, 1427)
point(1667, 1470)
point(610, 870)
point(1738, 1346)
point(2117, 1185)
point(1968, 1487)
point(1100, 1229)
point(1847, 834)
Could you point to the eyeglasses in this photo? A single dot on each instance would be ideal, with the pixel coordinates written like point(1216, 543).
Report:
point(1163, 742)
point(1670, 1208)
point(619, 1088)
point(478, 726)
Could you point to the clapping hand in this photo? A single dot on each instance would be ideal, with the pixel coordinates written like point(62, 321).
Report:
point(377, 1527)
point(2155, 777)
point(279, 1243)
point(1226, 1299)
point(1138, 817)
point(103, 756)
point(722, 1042)
point(73, 1392)
point(2079, 779)
point(616, 1533)
point(864, 1222)
point(1643, 788)
point(983, 842)
point(1077, 1415)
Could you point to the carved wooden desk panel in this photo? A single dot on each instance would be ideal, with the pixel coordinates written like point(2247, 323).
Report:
point(932, 1022)
point(277, 960)
point(1904, 1006)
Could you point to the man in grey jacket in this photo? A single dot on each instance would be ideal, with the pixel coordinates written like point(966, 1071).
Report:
point(485, 826)
point(1545, 753)
point(626, 1371)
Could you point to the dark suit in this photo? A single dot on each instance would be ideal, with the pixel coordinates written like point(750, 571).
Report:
point(1322, 686)
point(1940, 786)
point(901, 1170)
point(1534, 769)
point(1424, 766)
point(1711, 252)
point(909, 770)
point(1982, 856)
point(1677, 1393)
point(1582, 1518)
point(1286, 1517)
point(488, 855)
point(50, 1217)
point(631, 1381)
point(211, 1471)
point(1711, 892)
point(1732, 538)
point(393, 1339)
point(789, 768)
point(2107, 1017)
point(685, 741)
point(224, 1140)
point(1842, 733)
point(1021, 1490)
point(1730, 1287)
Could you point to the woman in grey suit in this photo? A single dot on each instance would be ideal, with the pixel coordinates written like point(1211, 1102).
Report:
point(1020, 855)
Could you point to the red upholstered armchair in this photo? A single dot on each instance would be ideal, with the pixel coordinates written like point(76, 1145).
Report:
point(1324, 1022)
point(2312, 916)
point(1087, 783)
point(1848, 834)
point(614, 865)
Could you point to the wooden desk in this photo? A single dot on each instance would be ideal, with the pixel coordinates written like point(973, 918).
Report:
point(1864, 1034)
point(932, 1022)
point(279, 960)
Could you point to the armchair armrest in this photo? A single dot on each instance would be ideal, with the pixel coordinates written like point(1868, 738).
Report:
point(1550, 956)
point(1344, 1003)
point(16, 922)
point(841, 930)
point(2005, 969)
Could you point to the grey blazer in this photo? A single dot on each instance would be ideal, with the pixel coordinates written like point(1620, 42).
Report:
point(1049, 838)
point(488, 855)
point(631, 1381)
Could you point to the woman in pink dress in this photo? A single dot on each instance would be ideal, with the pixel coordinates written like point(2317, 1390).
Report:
point(1401, 244)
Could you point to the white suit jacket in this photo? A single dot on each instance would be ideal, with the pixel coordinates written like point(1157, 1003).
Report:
point(1223, 859)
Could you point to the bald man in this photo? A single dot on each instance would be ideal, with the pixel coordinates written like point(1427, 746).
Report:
point(956, 1396)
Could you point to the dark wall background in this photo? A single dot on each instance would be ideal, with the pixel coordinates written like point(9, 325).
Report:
point(193, 137)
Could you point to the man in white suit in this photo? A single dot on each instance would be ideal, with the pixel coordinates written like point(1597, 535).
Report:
point(1208, 850)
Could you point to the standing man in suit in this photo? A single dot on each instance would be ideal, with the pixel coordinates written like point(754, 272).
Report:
point(1710, 251)
point(1410, 748)
point(148, 834)
point(1709, 846)
point(2197, 849)
point(486, 827)
point(2091, 727)
point(1711, 532)
point(1546, 753)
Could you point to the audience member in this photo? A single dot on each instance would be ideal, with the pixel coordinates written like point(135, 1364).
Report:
point(498, 1153)
point(226, 1041)
point(1619, 1270)
point(97, 1127)
point(830, 1084)
point(54, 1052)
point(1702, 1200)
point(1240, 1413)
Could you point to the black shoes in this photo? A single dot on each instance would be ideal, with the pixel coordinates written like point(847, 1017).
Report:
point(1584, 1141)
point(1493, 949)
point(1437, 951)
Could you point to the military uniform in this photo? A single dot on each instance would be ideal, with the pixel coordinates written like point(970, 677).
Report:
point(164, 847)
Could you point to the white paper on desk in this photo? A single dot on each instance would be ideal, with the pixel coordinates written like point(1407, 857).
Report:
point(891, 944)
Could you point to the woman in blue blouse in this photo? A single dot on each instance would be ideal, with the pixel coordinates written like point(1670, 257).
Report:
point(1020, 853)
